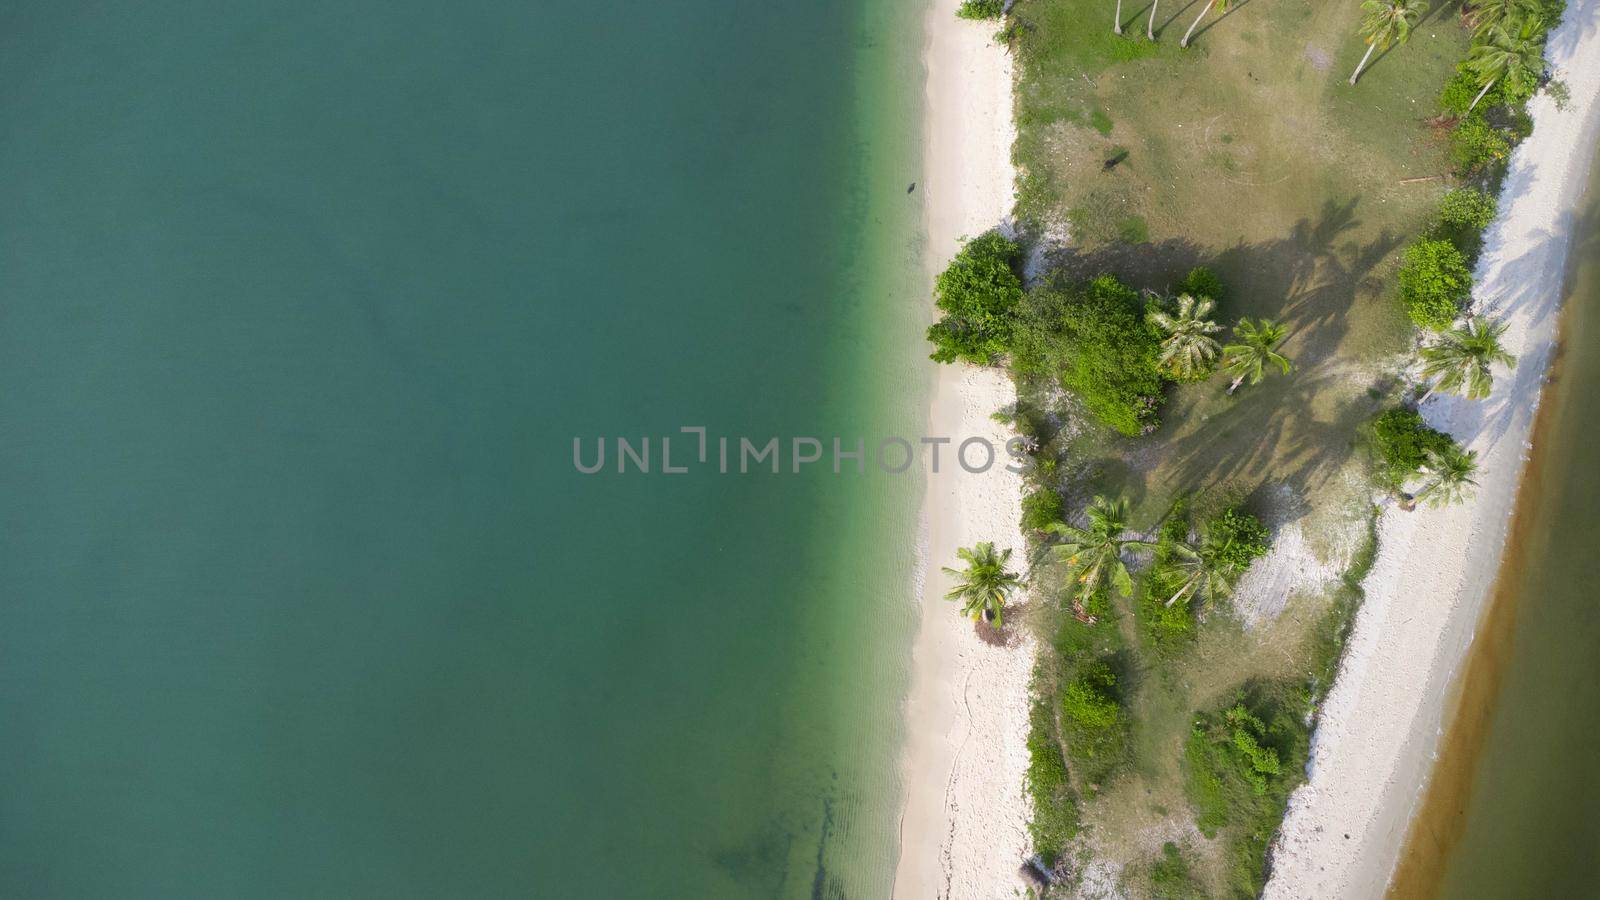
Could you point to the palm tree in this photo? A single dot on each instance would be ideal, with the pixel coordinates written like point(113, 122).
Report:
point(1205, 574)
point(1460, 362)
point(1188, 350)
point(1387, 22)
point(1257, 345)
point(1150, 28)
point(1221, 5)
point(1509, 51)
point(1094, 554)
point(985, 585)
point(1447, 477)
point(1116, 26)
point(1486, 14)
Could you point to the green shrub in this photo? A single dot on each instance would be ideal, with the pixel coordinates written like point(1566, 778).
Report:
point(1244, 537)
point(1467, 208)
point(1055, 811)
point(1401, 441)
point(978, 294)
point(1168, 628)
point(1434, 283)
point(1089, 702)
point(1459, 92)
point(1475, 144)
point(981, 9)
point(1241, 762)
point(1040, 509)
point(1093, 337)
point(1201, 282)
point(1463, 215)
point(1093, 723)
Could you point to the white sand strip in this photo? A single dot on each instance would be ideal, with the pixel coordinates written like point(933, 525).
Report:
point(1380, 726)
point(964, 828)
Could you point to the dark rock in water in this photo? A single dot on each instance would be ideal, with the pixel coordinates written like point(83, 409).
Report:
point(912, 188)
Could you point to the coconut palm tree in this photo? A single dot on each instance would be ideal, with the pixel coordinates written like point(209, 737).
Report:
point(1447, 477)
point(1486, 14)
point(1460, 361)
point(1188, 351)
point(1509, 51)
point(1094, 554)
point(1150, 27)
point(1387, 22)
point(1221, 5)
point(1205, 573)
point(1255, 345)
point(985, 585)
point(1116, 26)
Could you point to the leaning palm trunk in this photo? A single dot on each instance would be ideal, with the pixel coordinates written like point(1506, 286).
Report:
point(1188, 587)
point(1190, 33)
point(1150, 29)
point(1357, 74)
point(1481, 93)
point(1235, 386)
point(1117, 25)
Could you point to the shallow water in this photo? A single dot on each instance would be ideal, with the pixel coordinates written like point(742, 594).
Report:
point(1512, 813)
point(300, 309)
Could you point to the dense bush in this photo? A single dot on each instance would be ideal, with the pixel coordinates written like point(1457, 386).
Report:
point(1459, 92)
point(1055, 811)
point(1401, 441)
point(1093, 723)
point(1434, 283)
point(978, 294)
point(1168, 628)
point(981, 9)
point(1243, 536)
point(1040, 509)
point(1201, 282)
point(1475, 144)
point(1090, 702)
point(1242, 761)
point(1467, 208)
point(1093, 337)
point(1463, 215)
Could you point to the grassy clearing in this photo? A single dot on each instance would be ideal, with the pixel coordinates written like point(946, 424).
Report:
point(1250, 155)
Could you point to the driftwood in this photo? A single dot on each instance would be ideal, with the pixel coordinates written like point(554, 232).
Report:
point(1420, 180)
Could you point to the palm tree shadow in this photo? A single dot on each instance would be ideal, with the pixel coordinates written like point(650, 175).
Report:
point(1172, 18)
point(1232, 8)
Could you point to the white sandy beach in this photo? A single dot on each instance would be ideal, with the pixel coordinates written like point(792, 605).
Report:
point(964, 827)
point(1380, 726)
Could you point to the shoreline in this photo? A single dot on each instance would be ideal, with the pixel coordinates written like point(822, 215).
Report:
point(963, 825)
point(1380, 725)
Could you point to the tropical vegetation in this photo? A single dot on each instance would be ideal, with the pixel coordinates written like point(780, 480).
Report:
point(1254, 348)
point(1093, 554)
point(1188, 351)
point(1435, 283)
point(1447, 476)
point(984, 586)
point(1387, 22)
point(977, 294)
point(1461, 360)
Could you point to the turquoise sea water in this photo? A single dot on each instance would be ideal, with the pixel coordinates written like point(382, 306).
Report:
point(301, 306)
point(1525, 824)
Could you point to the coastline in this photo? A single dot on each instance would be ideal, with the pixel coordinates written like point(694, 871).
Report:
point(1380, 725)
point(963, 830)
